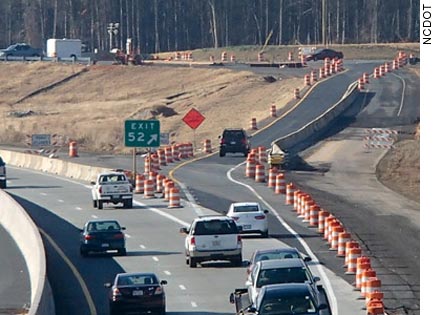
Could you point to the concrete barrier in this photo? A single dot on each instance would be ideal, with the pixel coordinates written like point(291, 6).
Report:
point(288, 142)
point(16, 220)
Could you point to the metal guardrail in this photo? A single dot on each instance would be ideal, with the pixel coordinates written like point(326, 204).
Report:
point(71, 60)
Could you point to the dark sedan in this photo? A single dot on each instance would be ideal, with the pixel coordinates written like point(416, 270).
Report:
point(21, 50)
point(323, 53)
point(275, 253)
point(290, 298)
point(101, 236)
point(137, 292)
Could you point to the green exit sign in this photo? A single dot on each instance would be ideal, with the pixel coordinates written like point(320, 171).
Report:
point(142, 133)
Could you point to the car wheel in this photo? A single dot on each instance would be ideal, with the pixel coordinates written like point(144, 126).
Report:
point(95, 204)
point(238, 262)
point(246, 153)
point(187, 260)
point(84, 252)
point(122, 252)
point(193, 262)
point(2, 184)
point(100, 204)
point(222, 153)
point(264, 234)
point(162, 311)
point(114, 311)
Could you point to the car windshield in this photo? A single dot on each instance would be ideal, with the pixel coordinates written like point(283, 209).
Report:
point(106, 226)
point(233, 134)
point(112, 178)
point(282, 275)
point(246, 208)
point(276, 255)
point(215, 227)
point(290, 304)
point(137, 280)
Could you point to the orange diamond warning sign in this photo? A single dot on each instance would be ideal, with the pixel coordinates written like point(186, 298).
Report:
point(193, 118)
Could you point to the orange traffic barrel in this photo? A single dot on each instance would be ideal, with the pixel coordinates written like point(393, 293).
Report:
point(140, 184)
point(280, 184)
point(149, 189)
point(73, 151)
point(174, 198)
point(260, 173)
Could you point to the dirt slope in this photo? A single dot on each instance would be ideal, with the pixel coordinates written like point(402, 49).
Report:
point(92, 107)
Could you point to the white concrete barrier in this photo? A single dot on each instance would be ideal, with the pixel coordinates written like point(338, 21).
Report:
point(20, 226)
point(289, 141)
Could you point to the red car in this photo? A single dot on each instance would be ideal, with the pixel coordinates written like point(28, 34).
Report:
point(137, 292)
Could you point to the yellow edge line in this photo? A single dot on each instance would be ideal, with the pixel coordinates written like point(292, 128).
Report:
point(74, 270)
point(172, 171)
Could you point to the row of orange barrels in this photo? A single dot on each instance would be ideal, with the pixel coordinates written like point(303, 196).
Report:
point(154, 185)
point(400, 61)
point(332, 229)
point(169, 154)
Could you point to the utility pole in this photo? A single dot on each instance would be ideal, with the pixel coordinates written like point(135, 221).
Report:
point(324, 23)
point(113, 29)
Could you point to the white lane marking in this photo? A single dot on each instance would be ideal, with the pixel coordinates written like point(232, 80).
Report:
point(60, 200)
point(44, 194)
point(94, 216)
point(167, 272)
point(142, 246)
point(155, 258)
point(402, 95)
point(327, 283)
point(168, 216)
point(191, 199)
point(127, 235)
point(182, 287)
point(193, 304)
point(78, 208)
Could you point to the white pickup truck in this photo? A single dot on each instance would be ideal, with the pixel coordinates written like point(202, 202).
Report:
point(112, 187)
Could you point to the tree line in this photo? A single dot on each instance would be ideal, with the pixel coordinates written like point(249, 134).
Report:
point(171, 25)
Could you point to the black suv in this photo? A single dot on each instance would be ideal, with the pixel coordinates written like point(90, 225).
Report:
point(234, 141)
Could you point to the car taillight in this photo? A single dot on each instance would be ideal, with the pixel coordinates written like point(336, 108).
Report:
point(89, 237)
point(118, 236)
point(243, 141)
point(116, 292)
point(260, 217)
point(235, 218)
point(100, 189)
point(222, 141)
point(158, 290)
point(239, 238)
point(192, 241)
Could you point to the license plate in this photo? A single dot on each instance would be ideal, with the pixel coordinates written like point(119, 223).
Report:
point(116, 196)
point(105, 245)
point(247, 227)
point(216, 243)
point(137, 292)
point(233, 142)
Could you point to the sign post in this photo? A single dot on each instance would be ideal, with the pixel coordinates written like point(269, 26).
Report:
point(143, 134)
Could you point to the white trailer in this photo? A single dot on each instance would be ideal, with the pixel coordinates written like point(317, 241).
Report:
point(63, 48)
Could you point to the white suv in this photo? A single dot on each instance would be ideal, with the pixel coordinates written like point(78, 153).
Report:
point(211, 238)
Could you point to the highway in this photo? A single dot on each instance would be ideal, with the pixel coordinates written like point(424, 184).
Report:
point(60, 207)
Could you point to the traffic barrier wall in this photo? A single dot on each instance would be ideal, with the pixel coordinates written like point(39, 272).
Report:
point(289, 142)
point(15, 220)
